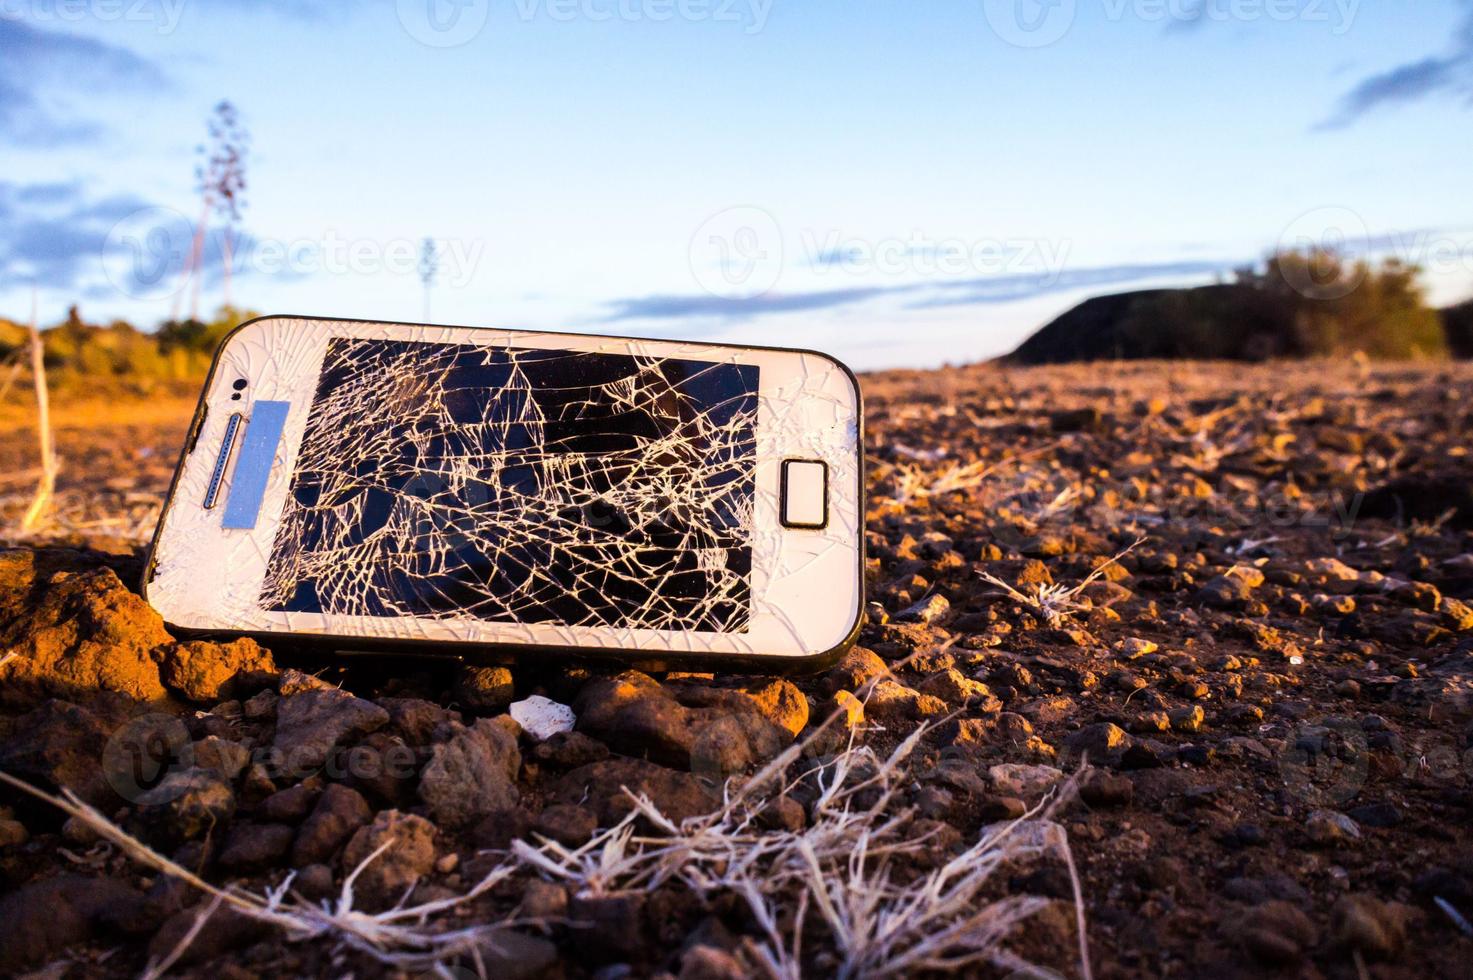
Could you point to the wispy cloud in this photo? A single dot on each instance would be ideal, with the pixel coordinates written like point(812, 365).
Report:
point(1450, 74)
point(915, 295)
point(24, 121)
point(57, 237)
point(706, 305)
point(53, 236)
point(36, 64)
point(695, 312)
point(1007, 289)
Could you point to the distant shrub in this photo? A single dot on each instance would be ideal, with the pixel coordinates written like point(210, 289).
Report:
point(1330, 306)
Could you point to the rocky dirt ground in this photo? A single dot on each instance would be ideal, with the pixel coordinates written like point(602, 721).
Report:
point(1266, 702)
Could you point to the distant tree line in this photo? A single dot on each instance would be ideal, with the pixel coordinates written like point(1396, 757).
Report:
point(117, 356)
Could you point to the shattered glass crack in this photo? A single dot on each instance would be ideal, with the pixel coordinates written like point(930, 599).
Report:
point(453, 481)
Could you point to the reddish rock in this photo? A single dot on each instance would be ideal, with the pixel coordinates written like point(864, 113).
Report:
point(62, 744)
point(484, 690)
point(253, 847)
point(210, 672)
point(187, 805)
point(780, 702)
point(857, 668)
point(716, 730)
point(223, 931)
point(309, 725)
point(84, 632)
point(567, 824)
point(42, 921)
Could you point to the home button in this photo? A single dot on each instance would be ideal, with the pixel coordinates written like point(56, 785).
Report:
point(804, 498)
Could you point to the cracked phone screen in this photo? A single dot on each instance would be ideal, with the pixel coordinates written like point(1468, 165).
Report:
point(453, 481)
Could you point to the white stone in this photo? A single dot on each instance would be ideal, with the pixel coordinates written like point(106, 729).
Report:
point(1027, 783)
point(542, 718)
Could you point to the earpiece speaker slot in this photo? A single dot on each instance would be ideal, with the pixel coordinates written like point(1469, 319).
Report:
point(217, 477)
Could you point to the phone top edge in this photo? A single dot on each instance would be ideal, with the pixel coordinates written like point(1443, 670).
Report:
point(809, 351)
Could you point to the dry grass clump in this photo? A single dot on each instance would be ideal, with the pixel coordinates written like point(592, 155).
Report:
point(111, 462)
point(837, 883)
point(405, 937)
point(835, 894)
point(1051, 603)
point(124, 516)
point(911, 482)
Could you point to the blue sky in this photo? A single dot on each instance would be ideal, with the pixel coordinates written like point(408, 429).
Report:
point(899, 182)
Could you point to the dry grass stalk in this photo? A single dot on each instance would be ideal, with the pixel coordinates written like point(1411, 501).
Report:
point(912, 483)
point(1454, 915)
point(1051, 603)
point(47, 483)
point(402, 937)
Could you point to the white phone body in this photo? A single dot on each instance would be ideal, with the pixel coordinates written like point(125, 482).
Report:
point(789, 476)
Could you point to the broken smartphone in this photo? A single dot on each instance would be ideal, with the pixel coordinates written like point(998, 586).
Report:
point(388, 487)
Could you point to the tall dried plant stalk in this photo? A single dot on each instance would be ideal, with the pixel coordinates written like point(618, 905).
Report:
point(47, 484)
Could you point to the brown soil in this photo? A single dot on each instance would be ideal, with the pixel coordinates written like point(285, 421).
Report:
point(1275, 690)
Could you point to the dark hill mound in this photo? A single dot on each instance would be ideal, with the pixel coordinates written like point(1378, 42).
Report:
point(1457, 323)
point(1225, 322)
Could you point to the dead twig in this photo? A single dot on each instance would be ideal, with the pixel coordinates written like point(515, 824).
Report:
point(1051, 603)
point(1457, 917)
point(156, 970)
